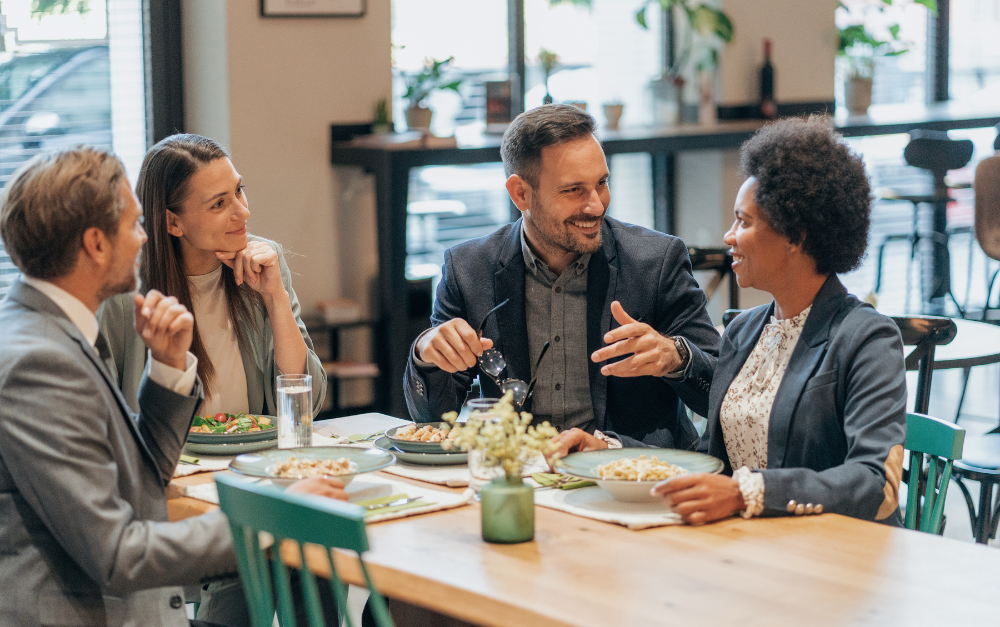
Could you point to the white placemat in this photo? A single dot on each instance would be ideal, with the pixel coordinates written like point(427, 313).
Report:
point(214, 463)
point(452, 476)
point(364, 488)
point(593, 502)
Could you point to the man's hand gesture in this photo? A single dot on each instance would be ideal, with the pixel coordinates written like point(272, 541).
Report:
point(453, 346)
point(165, 326)
point(652, 354)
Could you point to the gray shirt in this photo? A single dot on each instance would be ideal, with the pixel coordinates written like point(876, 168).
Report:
point(556, 312)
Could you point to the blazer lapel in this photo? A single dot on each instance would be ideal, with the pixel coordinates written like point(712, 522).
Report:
point(602, 279)
point(808, 353)
point(726, 371)
point(33, 299)
point(512, 318)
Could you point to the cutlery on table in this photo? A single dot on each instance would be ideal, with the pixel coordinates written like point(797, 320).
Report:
point(402, 501)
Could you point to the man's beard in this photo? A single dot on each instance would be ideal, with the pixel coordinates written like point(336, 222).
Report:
point(119, 285)
point(559, 236)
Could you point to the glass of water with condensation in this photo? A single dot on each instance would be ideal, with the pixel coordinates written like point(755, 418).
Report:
point(295, 410)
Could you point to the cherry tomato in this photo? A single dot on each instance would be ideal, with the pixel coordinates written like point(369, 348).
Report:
point(220, 417)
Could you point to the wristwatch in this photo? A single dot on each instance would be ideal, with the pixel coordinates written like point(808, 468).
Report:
point(682, 351)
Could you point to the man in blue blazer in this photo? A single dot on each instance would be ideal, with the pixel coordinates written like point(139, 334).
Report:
point(597, 290)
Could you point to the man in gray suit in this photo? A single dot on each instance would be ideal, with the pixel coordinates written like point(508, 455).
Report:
point(84, 537)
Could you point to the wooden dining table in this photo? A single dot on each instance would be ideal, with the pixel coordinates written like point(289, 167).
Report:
point(809, 570)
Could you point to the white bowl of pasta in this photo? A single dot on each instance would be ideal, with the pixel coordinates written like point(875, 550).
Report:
point(628, 474)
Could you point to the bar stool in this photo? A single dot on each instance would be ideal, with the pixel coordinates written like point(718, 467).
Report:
point(720, 261)
point(936, 152)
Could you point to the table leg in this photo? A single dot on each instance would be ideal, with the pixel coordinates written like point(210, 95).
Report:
point(981, 526)
point(937, 282)
point(406, 615)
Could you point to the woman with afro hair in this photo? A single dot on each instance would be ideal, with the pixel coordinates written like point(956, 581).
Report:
point(807, 404)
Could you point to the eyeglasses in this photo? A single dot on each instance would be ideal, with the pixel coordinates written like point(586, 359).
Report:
point(493, 365)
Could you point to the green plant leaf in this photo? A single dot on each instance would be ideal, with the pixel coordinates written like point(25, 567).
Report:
point(894, 31)
point(889, 2)
point(930, 4)
point(640, 17)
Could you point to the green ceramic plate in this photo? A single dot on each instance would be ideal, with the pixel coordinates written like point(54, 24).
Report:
point(261, 464)
point(228, 449)
point(424, 459)
point(409, 446)
point(585, 465)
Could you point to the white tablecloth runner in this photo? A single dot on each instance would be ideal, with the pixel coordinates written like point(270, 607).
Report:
point(368, 487)
point(593, 502)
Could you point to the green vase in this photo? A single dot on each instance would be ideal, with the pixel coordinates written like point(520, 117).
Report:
point(508, 511)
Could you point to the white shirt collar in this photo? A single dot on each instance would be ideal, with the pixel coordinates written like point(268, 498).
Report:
point(78, 313)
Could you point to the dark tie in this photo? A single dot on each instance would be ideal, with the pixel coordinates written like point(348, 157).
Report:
point(105, 352)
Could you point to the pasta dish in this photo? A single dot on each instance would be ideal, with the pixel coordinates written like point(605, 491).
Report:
point(427, 433)
point(292, 468)
point(640, 468)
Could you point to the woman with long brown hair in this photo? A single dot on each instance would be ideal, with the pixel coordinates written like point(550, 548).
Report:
point(248, 327)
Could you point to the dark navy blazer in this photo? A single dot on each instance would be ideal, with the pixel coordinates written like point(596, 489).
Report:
point(838, 423)
point(647, 271)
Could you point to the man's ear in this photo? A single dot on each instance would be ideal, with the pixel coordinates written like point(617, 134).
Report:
point(173, 224)
point(96, 246)
point(520, 192)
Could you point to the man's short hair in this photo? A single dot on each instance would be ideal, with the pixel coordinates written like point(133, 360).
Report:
point(52, 200)
point(548, 125)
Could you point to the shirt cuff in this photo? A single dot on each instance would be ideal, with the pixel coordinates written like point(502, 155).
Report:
point(752, 489)
point(679, 375)
point(179, 381)
point(424, 366)
point(607, 439)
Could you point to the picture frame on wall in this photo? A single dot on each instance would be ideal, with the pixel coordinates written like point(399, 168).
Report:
point(312, 8)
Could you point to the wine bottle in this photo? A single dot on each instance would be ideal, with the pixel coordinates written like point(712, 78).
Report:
point(768, 109)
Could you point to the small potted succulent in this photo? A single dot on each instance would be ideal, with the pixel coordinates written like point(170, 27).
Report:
point(549, 61)
point(420, 85)
point(505, 438)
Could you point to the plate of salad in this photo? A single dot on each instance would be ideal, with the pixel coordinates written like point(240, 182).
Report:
point(231, 434)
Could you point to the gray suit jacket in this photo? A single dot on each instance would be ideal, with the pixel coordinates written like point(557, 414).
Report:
point(84, 537)
point(117, 315)
point(838, 423)
point(647, 271)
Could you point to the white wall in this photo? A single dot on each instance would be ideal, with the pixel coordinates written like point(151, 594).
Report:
point(269, 89)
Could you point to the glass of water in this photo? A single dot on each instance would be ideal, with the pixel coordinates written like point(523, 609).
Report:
point(295, 403)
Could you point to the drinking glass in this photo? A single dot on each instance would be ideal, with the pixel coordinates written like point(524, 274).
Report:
point(294, 410)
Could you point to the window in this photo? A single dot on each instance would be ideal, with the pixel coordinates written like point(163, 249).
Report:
point(68, 78)
point(974, 51)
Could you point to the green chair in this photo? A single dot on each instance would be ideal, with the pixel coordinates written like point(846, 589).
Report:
point(303, 518)
point(942, 442)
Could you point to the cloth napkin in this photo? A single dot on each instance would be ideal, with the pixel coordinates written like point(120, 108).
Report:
point(593, 502)
point(215, 463)
point(452, 476)
point(368, 487)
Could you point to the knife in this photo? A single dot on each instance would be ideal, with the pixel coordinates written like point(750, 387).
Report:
point(402, 501)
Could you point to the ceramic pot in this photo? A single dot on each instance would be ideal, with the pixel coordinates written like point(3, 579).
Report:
point(508, 511)
point(419, 118)
point(858, 95)
point(613, 114)
point(707, 110)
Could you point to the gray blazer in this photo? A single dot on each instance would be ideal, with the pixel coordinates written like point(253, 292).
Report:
point(84, 537)
point(117, 316)
point(838, 423)
point(647, 271)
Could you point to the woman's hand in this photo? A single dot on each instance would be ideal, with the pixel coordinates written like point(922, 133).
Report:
point(701, 498)
point(257, 264)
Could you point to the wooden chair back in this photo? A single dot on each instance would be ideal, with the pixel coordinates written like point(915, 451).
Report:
point(925, 333)
point(941, 442)
point(987, 213)
point(302, 518)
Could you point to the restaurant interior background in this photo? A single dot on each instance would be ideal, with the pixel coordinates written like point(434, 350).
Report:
point(124, 73)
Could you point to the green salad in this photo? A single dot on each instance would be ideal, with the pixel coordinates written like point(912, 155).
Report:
point(230, 423)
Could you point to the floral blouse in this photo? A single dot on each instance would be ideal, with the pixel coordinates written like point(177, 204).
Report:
point(746, 408)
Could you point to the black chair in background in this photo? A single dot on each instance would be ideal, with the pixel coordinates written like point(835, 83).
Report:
point(935, 152)
point(720, 261)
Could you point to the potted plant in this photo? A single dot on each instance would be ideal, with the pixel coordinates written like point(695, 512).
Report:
point(503, 437)
point(548, 60)
point(420, 85)
point(859, 50)
point(703, 29)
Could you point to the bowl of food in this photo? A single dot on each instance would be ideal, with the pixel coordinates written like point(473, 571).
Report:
point(422, 437)
point(231, 434)
point(286, 466)
point(628, 474)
